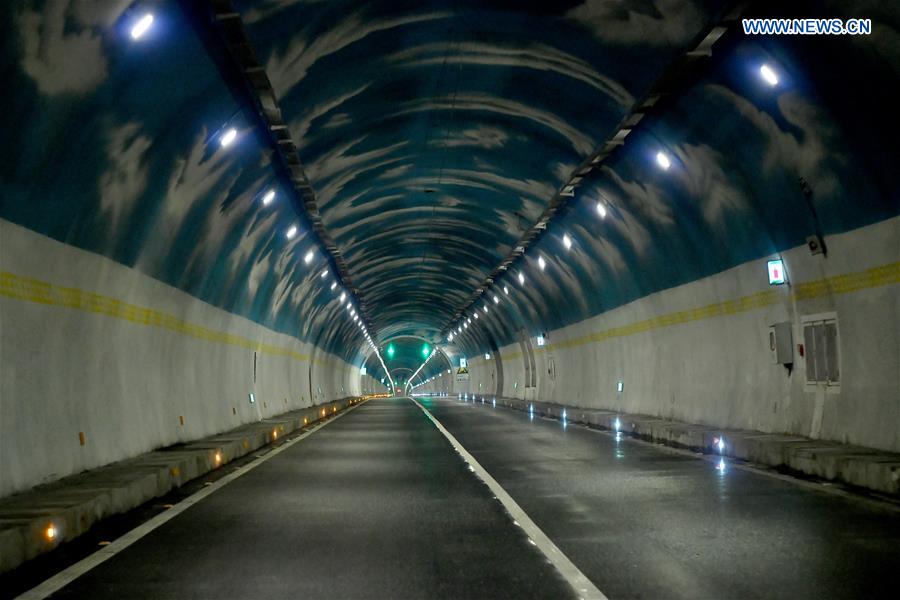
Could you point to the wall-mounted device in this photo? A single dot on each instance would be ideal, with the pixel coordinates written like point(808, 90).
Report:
point(776, 272)
point(781, 344)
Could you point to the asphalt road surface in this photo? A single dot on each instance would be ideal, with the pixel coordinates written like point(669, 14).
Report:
point(378, 504)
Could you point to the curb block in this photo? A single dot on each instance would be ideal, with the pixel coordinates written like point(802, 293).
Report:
point(76, 503)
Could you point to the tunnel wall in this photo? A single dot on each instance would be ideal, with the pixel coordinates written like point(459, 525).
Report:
point(90, 346)
point(699, 352)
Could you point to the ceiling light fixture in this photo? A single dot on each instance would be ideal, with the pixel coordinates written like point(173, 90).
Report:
point(141, 26)
point(228, 137)
point(768, 74)
point(663, 160)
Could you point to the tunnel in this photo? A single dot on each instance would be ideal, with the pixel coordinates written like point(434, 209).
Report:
point(450, 299)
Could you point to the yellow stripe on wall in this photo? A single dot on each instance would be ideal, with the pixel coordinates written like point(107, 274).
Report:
point(35, 290)
point(43, 292)
point(840, 284)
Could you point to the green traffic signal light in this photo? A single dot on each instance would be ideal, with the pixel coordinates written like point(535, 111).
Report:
point(426, 351)
point(390, 351)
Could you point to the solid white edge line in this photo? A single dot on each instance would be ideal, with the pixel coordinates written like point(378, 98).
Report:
point(73, 572)
point(582, 586)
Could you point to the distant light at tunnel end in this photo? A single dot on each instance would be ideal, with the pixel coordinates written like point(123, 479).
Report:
point(141, 26)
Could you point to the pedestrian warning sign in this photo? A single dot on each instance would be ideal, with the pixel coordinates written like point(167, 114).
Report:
point(462, 374)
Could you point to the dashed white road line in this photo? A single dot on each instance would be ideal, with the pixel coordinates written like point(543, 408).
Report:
point(70, 574)
point(583, 586)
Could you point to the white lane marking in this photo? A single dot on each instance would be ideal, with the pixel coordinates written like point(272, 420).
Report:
point(583, 586)
point(67, 576)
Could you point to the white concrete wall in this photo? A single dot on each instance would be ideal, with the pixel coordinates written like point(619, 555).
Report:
point(71, 362)
point(716, 369)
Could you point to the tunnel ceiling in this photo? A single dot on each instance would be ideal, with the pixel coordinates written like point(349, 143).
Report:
point(434, 135)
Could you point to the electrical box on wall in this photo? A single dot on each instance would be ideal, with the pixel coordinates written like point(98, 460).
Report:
point(781, 343)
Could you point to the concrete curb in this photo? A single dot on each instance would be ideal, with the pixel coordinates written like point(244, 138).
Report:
point(74, 504)
point(873, 470)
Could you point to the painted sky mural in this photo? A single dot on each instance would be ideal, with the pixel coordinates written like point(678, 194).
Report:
point(434, 134)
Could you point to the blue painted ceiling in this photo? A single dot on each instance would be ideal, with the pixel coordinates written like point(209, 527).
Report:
point(434, 134)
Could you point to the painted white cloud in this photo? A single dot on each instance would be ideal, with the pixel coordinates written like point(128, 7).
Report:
point(481, 136)
point(648, 198)
point(256, 232)
point(657, 23)
point(805, 152)
point(581, 142)
point(708, 184)
point(125, 177)
point(268, 8)
point(331, 172)
point(258, 273)
point(193, 177)
point(539, 57)
point(288, 68)
point(300, 127)
point(62, 49)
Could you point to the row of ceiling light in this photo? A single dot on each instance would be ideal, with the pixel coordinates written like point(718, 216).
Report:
point(140, 27)
point(766, 72)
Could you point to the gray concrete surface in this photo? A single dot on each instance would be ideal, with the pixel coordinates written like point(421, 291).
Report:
point(75, 504)
point(649, 522)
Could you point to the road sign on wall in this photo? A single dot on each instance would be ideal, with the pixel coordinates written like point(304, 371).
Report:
point(462, 374)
